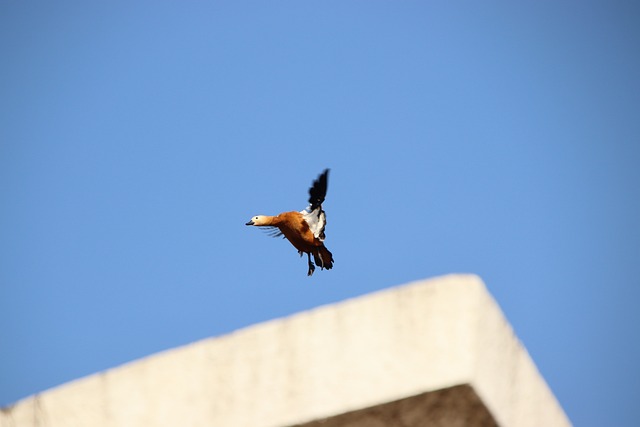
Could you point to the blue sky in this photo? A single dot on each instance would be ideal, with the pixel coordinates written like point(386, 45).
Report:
point(496, 138)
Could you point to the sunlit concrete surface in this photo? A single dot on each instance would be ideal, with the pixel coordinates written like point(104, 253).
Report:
point(437, 352)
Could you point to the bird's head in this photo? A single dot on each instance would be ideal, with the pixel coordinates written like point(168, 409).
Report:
point(257, 220)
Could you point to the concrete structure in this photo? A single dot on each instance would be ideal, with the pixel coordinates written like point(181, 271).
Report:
point(431, 353)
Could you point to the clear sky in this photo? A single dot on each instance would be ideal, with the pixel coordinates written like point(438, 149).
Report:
point(496, 138)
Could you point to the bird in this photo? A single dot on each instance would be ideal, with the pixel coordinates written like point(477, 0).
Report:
point(304, 229)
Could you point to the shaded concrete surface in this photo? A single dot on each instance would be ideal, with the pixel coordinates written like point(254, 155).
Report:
point(437, 352)
point(457, 406)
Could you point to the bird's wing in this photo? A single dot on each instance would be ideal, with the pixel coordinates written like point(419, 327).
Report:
point(316, 220)
point(272, 231)
point(314, 216)
point(318, 191)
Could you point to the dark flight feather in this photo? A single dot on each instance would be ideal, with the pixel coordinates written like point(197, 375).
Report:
point(272, 231)
point(318, 190)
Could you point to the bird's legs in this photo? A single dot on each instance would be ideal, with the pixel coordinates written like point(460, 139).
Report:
point(311, 266)
point(321, 261)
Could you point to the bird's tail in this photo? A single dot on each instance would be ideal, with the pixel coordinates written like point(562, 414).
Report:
point(323, 258)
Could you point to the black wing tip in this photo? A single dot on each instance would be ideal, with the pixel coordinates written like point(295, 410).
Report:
point(318, 189)
point(323, 176)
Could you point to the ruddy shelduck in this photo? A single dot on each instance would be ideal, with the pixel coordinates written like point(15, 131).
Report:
point(304, 229)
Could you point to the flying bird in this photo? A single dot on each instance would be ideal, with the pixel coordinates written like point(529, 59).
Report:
point(304, 229)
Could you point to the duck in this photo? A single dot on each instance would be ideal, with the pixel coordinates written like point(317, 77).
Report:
point(305, 229)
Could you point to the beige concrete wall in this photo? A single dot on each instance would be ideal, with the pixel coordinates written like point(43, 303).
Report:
point(383, 347)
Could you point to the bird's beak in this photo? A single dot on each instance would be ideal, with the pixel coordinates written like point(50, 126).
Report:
point(249, 223)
